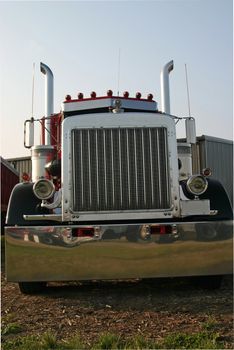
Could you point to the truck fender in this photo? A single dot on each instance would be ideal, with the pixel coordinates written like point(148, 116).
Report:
point(23, 201)
point(218, 199)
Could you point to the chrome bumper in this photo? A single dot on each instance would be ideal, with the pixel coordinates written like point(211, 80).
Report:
point(53, 253)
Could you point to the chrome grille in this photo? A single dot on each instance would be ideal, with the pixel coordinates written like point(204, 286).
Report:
point(120, 169)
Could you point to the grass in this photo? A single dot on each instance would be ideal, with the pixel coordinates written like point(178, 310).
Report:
point(200, 340)
point(11, 328)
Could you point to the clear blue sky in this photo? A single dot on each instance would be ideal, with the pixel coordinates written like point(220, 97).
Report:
point(80, 41)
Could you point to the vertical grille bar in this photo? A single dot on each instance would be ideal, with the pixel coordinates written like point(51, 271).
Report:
point(90, 178)
point(151, 168)
point(128, 169)
point(136, 171)
point(104, 159)
point(120, 169)
point(97, 166)
point(159, 170)
point(112, 170)
point(143, 165)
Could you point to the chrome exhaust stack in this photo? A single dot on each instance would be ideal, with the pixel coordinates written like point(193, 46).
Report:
point(49, 98)
point(165, 91)
point(44, 152)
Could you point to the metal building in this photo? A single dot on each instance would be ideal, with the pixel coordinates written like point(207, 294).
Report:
point(217, 154)
point(22, 165)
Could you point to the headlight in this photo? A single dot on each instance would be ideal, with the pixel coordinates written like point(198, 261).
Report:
point(197, 184)
point(43, 189)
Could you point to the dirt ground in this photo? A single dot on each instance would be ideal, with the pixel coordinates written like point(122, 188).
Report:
point(153, 309)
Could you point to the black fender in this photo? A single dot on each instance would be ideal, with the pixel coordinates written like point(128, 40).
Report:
point(23, 202)
point(218, 199)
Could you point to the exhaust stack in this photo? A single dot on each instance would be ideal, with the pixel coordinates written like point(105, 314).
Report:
point(49, 98)
point(165, 91)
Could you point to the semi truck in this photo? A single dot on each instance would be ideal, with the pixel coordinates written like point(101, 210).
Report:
point(113, 195)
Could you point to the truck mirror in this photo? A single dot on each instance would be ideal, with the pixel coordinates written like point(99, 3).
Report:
point(29, 133)
point(190, 130)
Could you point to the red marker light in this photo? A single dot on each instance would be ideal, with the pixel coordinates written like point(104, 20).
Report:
point(25, 177)
point(138, 95)
point(93, 94)
point(126, 94)
point(68, 98)
point(80, 96)
point(206, 172)
point(109, 93)
point(150, 97)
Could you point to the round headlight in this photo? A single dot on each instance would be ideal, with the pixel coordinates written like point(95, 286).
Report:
point(43, 189)
point(197, 184)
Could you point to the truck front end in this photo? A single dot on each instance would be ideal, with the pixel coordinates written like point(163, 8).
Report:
point(110, 198)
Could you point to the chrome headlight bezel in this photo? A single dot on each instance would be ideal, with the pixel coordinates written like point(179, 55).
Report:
point(197, 184)
point(43, 189)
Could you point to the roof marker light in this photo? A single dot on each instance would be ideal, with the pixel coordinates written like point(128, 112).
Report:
point(80, 96)
point(126, 94)
point(68, 97)
point(93, 94)
point(109, 93)
point(138, 95)
point(150, 97)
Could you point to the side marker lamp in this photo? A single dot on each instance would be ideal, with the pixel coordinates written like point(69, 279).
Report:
point(206, 172)
point(25, 177)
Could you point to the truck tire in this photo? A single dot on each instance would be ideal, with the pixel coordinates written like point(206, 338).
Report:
point(208, 282)
point(31, 287)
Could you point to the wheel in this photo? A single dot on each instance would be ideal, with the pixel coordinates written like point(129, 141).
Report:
point(31, 287)
point(208, 282)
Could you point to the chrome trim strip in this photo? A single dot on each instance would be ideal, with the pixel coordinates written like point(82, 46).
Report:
point(52, 217)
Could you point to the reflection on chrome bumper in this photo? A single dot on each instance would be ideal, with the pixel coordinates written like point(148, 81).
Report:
point(64, 253)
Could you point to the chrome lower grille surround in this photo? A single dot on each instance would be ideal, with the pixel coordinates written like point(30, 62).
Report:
point(120, 169)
